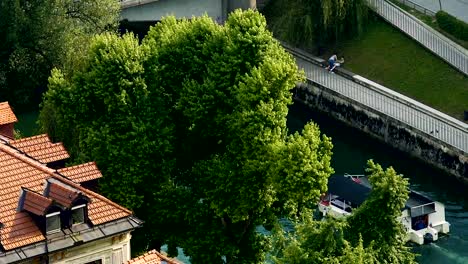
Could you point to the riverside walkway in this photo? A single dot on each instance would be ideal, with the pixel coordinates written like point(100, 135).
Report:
point(457, 8)
point(425, 119)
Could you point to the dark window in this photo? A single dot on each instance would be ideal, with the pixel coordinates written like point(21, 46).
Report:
point(99, 261)
point(78, 214)
point(53, 222)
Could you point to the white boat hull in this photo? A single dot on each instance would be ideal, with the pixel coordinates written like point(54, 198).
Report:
point(437, 223)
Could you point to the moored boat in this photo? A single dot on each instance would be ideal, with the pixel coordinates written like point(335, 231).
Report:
point(422, 217)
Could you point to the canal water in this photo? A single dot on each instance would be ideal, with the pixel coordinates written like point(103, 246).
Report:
point(352, 149)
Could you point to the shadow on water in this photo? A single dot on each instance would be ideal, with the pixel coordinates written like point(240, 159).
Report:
point(352, 148)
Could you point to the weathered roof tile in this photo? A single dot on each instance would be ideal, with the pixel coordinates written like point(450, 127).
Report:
point(35, 203)
point(41, 148)
point(152, 257)
point(81, 173)
point(6, 114)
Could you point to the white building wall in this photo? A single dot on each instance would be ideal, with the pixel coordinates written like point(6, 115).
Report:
point(179, 8)
point(113, 250)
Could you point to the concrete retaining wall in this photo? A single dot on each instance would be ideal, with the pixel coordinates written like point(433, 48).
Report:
point(384, 128)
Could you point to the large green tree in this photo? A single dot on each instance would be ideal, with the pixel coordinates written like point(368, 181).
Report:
point(38, 35)
point(372, 234)
point(189, 129)
point(316, 23)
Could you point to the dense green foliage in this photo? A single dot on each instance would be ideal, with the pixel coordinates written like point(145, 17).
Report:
point(36, 36)
point(452, 25)
point(189, 130)
point(372, 234)
point(316, 23)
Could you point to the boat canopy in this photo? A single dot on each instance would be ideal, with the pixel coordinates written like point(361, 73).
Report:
point(347, 189)
point(356, 192)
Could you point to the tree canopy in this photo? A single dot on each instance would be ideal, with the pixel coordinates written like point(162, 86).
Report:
point(372, 234)
point(36, 36)
point(316, 23)
point(189, 130)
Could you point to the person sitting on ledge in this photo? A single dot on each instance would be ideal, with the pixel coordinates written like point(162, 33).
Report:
point(333, 62)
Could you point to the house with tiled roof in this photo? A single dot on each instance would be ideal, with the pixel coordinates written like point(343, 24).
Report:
point(47, 214)
point(153, 257)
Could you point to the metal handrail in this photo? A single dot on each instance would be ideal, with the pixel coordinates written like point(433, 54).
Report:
point(453, 132)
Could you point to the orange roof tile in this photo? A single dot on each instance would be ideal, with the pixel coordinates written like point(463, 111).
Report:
point(35, 203)
point(18, 170)
point(62, 195)
point(81, 173)
point(41, 148)
point(6, 114)
point(152, 257)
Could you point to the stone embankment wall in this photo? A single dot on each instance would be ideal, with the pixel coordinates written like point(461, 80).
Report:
point(384, 128)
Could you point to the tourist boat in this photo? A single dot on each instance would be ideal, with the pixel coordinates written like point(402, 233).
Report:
point(422, 217)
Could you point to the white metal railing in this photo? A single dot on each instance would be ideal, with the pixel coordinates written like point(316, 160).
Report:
point(443, 47)
point(427, 208)
point(422, 118)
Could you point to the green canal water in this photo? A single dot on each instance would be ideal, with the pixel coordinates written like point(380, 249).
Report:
point(352, 149)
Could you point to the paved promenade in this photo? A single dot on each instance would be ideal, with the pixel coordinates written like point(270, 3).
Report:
point(457, 8)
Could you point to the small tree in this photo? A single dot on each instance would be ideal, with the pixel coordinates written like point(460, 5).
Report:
point(372, 234)
point(380, 228)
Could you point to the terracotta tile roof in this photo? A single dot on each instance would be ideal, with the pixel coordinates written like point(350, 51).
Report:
point(153, 257)
point(63, 195)
point(81, 173)
point(6, 114)
point(35, 203)
point(18, 170)
point(41, 148)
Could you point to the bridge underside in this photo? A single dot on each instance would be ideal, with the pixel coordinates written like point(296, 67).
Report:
point(155, 10)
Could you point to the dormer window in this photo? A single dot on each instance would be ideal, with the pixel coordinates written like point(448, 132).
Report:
point(53, 223)
point(78, 214)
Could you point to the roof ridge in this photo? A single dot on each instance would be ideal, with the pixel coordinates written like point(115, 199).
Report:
point(77, 166)
point(29, 138)
point(12, 151)
point(78, 186)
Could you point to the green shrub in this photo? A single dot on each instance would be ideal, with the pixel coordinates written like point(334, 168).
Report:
point(452, 25)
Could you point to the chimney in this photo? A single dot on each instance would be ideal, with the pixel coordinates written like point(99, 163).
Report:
point(7, 120)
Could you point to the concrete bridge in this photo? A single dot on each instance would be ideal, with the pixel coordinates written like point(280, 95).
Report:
point(154, 10)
